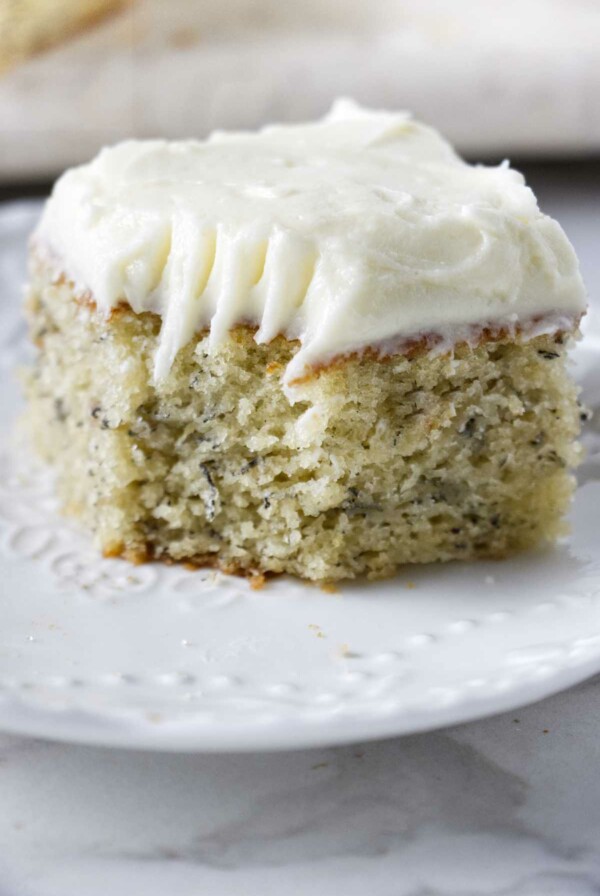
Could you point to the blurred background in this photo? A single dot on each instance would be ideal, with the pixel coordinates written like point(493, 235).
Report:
point(518, 78)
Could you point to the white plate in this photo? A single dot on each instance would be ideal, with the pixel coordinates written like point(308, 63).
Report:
point(101, 652)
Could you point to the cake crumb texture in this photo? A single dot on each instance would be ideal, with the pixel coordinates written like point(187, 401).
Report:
point(427, 458)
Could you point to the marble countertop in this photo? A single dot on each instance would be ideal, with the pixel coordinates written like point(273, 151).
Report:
point(503, 806)
point(508, 806)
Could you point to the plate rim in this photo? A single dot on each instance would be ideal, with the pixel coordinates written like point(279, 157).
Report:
point(114, 731)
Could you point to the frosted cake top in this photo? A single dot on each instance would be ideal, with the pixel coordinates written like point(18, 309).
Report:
point(361, 229)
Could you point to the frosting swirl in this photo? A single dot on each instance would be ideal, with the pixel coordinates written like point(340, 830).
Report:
point(356, 230)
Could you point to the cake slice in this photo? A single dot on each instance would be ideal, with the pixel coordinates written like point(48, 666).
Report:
point(29, 26)
point(324, 349)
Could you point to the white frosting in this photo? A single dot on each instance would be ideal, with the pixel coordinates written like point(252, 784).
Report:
point(361, 229)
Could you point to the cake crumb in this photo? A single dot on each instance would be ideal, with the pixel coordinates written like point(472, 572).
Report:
point(378, 520)
point(113, 550)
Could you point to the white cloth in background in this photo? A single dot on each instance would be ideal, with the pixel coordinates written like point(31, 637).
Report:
point(521, 76)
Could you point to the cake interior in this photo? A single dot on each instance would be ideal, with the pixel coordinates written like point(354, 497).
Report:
point(425, 458)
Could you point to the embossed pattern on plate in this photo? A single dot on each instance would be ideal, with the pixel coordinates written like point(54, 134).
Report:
point(99, 651)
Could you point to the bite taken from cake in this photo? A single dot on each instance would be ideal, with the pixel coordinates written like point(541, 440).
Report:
point(324, 349)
